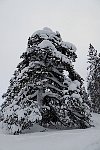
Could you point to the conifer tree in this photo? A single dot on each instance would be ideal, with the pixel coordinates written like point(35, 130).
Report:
point(75, 109)
point(37, 89)
point(94, 78)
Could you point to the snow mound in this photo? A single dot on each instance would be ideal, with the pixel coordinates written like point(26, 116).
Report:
point(46, 44)
point(47, 29)
point(45, 33)
point(48, 34)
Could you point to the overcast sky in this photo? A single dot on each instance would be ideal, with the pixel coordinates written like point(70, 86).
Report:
point(78, 22)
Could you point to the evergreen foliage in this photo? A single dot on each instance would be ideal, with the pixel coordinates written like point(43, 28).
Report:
point(39, 89)
point(94, 78)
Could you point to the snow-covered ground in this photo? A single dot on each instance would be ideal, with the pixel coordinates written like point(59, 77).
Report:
point(87, 139)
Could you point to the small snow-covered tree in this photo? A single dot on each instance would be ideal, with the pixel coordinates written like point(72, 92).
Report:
point(75, 111)
point(94, 78)
point(37, 89)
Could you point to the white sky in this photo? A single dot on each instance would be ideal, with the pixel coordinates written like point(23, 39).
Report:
point(78, 22)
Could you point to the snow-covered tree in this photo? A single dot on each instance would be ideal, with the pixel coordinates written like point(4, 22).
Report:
point(75, 111)
point(94, 78)
point(37, 89)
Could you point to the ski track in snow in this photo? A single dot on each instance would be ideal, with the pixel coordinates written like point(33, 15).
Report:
point(84, 139)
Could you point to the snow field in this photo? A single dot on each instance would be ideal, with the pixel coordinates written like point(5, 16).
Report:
point(77, 139)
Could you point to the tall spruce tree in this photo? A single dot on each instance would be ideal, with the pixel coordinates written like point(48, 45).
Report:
point(94, 78)
point(37, 89)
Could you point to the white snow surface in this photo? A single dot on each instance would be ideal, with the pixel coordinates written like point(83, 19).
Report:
point(76, 139)
point(74, 85)
point(45, 44)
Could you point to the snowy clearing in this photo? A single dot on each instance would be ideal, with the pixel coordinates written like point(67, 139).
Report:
point(87, 139)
